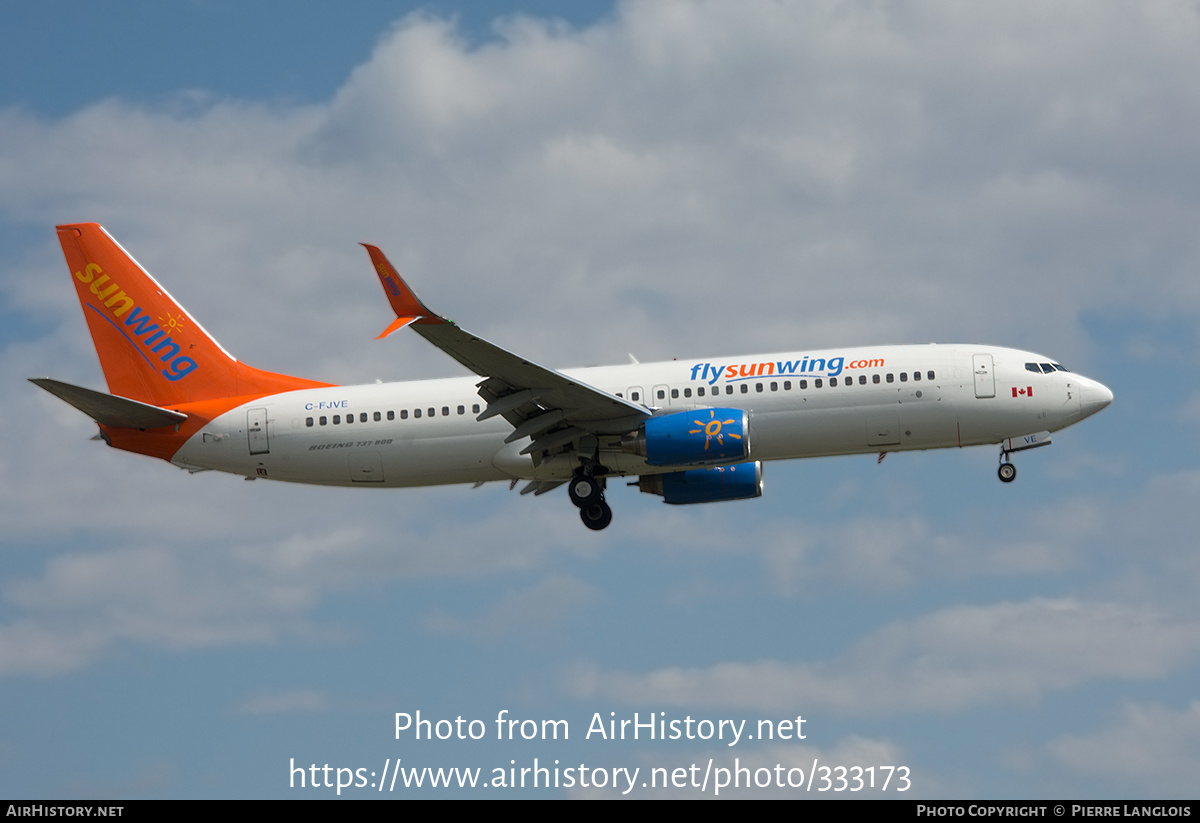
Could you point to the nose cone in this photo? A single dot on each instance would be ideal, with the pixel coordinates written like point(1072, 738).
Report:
point(1093, 397)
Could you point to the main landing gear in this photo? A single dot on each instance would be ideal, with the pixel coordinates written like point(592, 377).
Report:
point(587, 492)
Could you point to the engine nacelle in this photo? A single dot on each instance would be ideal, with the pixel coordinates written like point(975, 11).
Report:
point(692, 438)
point(739, 482)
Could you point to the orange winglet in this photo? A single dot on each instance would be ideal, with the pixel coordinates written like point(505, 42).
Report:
point(398, 323)
point(406, 304)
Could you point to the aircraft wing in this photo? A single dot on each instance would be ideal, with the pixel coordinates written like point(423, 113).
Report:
point(547, 405)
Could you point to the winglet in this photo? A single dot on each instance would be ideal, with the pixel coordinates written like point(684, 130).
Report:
point(406, 304)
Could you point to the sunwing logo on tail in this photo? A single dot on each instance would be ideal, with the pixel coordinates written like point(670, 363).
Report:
point(149, 338)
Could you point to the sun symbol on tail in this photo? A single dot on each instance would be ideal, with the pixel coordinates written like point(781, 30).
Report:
point(712, 429)
point(171, 323)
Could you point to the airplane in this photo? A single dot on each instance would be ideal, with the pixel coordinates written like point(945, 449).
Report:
point(690, 431)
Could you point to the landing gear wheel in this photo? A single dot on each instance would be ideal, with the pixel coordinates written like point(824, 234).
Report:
point(596, 516)
point(1007, 472)
point(584, 490)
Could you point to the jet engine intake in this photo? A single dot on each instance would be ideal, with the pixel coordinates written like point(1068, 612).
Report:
point(692, 438)
point(738, 482)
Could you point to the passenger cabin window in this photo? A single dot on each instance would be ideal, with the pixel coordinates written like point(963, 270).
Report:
point(817, 383)
point(874, 378)
point(324, 420)
point(833, 381)
point(417, 413)
point(774, 387)
point(891, 378)
point(308, 422)
point(700, 391)
point(462, 409)
point(745, 389)
point(804, 384)
point(929, 375)
point(687, 392)
point(392, 415)
point(378, 417)
point(862, 380)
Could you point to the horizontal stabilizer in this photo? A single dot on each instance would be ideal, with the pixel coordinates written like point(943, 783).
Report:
point(108, 409)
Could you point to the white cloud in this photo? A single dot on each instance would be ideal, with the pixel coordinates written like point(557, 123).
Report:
point(681, 177)
point(947, 661)
point(531, 612)
point(1147, 745)
point(285, 702)
point(764, 169)
point(234, 582)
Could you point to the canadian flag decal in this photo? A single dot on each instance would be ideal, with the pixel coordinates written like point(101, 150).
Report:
point(1025, 392)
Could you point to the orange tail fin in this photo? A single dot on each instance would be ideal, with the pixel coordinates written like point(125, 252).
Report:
point(150, 348)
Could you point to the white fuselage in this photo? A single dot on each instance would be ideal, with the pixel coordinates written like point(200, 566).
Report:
point(807, 404)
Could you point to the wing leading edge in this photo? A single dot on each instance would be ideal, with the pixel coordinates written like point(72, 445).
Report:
point(555, 410)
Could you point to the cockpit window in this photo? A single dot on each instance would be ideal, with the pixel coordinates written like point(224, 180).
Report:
point(1045, 368)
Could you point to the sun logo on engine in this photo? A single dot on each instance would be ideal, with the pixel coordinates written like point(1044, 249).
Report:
point(712, 429)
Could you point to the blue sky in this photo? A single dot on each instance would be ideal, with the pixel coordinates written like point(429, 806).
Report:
point(667, 179)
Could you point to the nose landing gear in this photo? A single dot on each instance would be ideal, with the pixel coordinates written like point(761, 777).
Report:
point(1007, 471)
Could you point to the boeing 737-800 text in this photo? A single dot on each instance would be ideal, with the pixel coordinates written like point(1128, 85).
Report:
point(691, 431)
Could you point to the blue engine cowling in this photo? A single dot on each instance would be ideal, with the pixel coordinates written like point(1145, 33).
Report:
point(740, 482)
point(693, 438)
